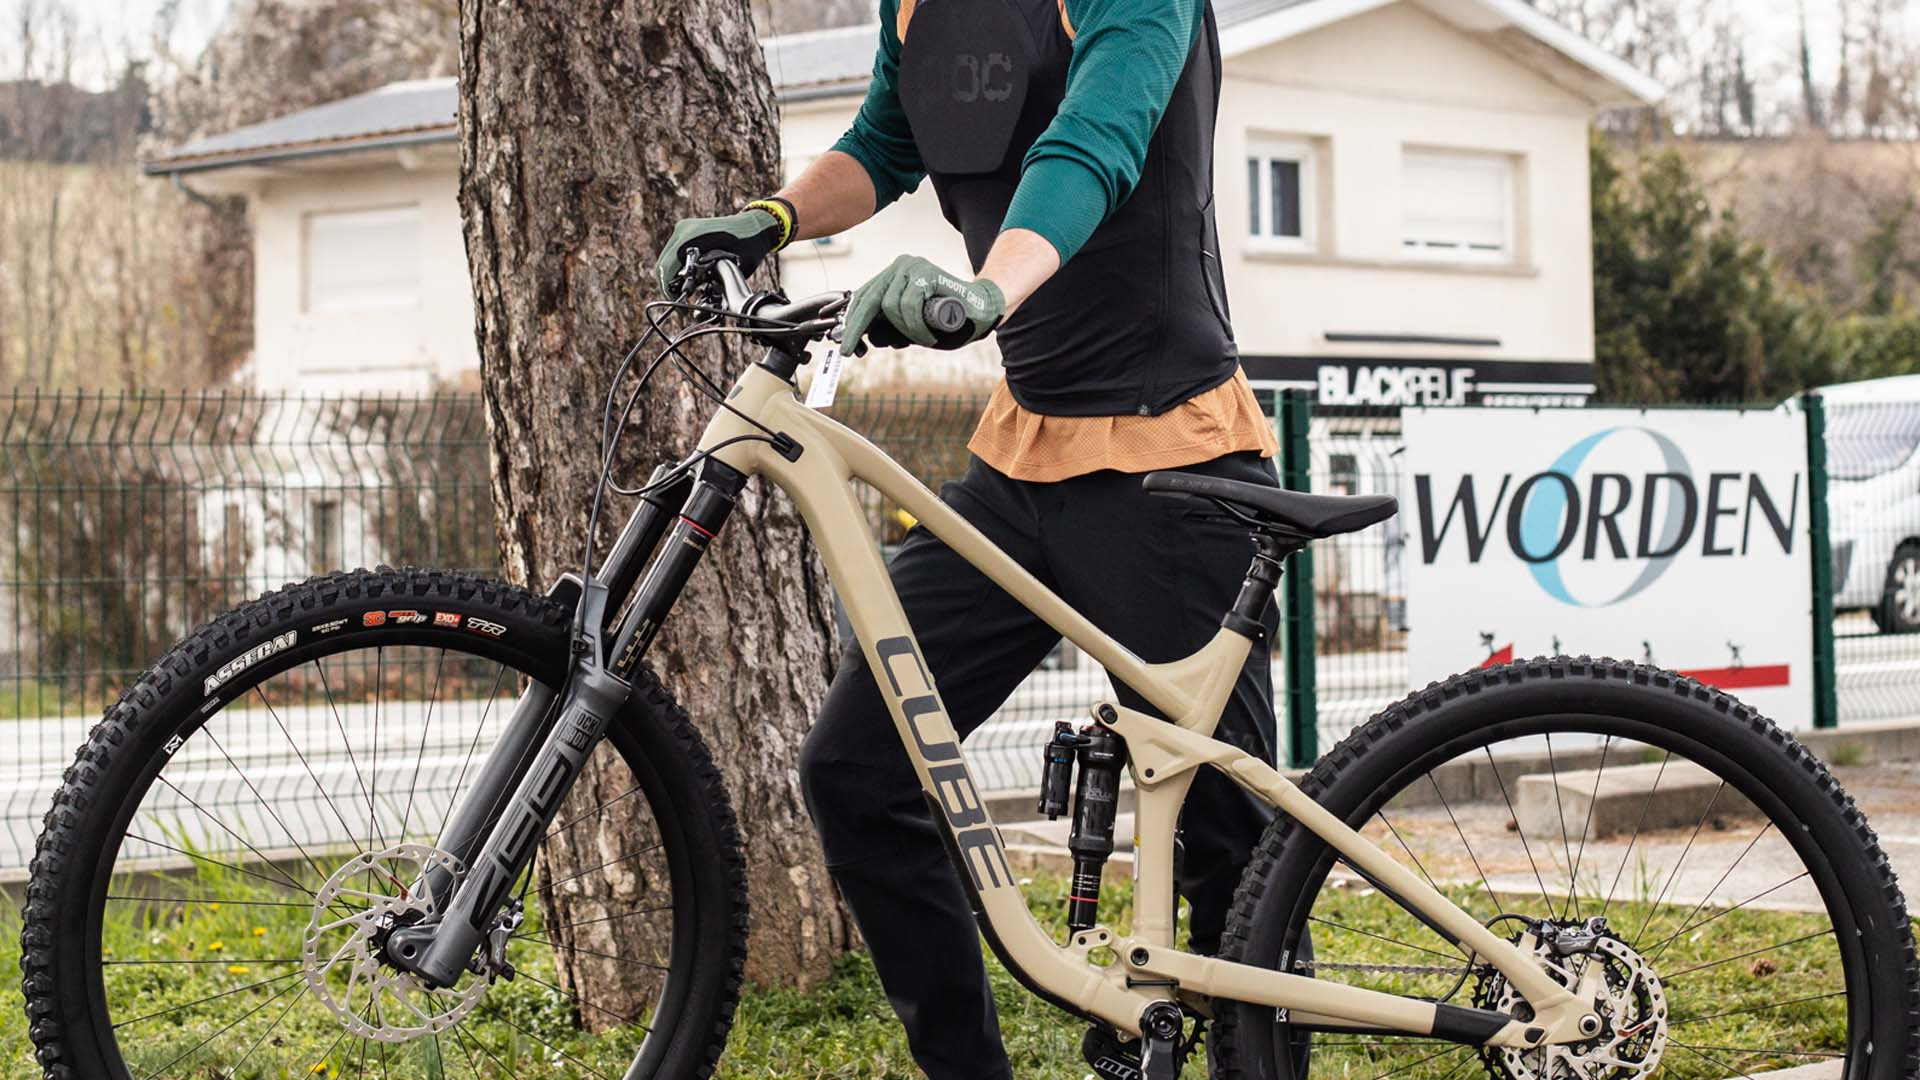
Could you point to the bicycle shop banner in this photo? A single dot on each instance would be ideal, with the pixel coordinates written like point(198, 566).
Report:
point(1678, 537)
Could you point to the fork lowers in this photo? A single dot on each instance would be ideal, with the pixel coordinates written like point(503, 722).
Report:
point(1095, 803)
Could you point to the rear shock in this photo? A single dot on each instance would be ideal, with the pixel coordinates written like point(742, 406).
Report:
point(1102, 754)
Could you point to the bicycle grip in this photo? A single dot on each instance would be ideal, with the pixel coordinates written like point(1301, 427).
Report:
point(944, 314)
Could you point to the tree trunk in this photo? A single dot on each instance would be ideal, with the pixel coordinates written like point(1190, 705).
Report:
point(587, 130)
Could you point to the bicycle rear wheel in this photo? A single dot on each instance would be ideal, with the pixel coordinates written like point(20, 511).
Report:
point(216, 878)
point(1750, 922)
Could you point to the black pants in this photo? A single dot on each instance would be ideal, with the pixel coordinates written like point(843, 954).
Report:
point(1154, 572)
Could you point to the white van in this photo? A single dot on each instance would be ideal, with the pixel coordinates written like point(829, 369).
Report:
point(1873, 498)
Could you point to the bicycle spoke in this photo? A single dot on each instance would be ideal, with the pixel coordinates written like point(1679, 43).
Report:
point(577, 1000)
point(222, 960)
point(1704, 897)
point(601, 808)
point(197, 1047)
point(1758, 1008)
point(1461, 833)
point(1646, 806)
point(420, 753)
point(555, 883)
point(1678, 865)
point(1518, 828)
point(571, 949)
point(271, 1028)
point(224, 865)
point(536, 1038)
point(493, 695)
point(601, 919)
point(1382, 937)
point(1382, 815)
point(458, 1030)
point(346, 741)
point(202, 1001)
point(1593, 800)
point(1659, 946)
point(1566, 847)
point(244, 842)
point(373, 769)
point(262, 800)
point(1715, 1062)
point(347, 830)
point(1670, 979)
point(1422, 1061)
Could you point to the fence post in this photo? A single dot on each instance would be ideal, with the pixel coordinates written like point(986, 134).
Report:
point(1297, 613)
point(1826, 696)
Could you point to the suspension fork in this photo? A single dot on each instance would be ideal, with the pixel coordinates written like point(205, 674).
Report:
point(440, 950)
point(527, 727)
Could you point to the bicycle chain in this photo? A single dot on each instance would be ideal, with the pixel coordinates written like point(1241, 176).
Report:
point(1308, 967)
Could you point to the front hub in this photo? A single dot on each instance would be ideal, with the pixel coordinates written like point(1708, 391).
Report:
point(344, 952)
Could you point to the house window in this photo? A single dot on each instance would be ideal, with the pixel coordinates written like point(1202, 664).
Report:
point(362, 260)
point(1281, 193)
point(1459, 206)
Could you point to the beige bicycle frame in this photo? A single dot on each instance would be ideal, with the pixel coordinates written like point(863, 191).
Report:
point(1163, 757)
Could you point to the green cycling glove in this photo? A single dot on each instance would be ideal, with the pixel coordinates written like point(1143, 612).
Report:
point(750, 235)
point(890, 310)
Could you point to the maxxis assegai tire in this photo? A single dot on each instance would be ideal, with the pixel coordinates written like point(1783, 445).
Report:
point(69, 1020)
point(1631, 702)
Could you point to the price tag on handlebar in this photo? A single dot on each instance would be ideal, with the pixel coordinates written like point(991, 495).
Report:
point(826, 379)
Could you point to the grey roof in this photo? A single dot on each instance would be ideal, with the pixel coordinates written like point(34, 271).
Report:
point(821, 61)
point(398, 114)
point(817, 63)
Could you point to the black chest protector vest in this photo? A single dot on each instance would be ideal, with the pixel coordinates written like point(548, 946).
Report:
point(1136, 322)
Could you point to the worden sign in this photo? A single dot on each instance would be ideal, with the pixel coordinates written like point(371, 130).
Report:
point(1676, 537)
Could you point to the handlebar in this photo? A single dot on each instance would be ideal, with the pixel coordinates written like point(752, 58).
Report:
point(813, 317)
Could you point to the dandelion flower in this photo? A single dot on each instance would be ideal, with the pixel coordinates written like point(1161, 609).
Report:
point(259, 931)
point(238, 969)
point(216, 946)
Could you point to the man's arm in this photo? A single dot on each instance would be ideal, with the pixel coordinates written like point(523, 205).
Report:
point(1126, 60)
point(873, 164)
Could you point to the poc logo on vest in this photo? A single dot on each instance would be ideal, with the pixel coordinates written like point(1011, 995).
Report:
point(969, 77)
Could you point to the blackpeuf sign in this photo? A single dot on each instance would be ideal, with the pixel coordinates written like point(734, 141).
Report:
point(1679, 537)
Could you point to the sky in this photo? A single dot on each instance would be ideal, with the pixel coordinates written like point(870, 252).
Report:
point(1770, 26)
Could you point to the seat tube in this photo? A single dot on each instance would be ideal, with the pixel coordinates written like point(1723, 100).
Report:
point(707, 508)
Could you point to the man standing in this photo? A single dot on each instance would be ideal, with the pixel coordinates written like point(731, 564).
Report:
point(1071, 143)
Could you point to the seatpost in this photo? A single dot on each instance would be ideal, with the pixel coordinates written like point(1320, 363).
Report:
point(1269, 557)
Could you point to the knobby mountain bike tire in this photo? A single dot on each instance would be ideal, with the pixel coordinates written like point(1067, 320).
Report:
point(208, 893)
point(1752, 920)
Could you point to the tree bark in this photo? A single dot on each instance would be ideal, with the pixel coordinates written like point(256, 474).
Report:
point(588, 129)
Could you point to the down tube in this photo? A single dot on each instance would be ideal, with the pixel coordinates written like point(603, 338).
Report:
point(818, 485)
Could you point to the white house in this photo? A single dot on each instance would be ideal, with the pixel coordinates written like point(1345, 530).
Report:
point(1402, 190)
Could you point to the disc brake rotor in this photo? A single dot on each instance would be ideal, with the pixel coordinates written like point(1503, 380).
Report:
point(342, 953)
point(1631, 1004)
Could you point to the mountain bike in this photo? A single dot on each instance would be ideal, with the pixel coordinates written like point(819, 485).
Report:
point(418, 823)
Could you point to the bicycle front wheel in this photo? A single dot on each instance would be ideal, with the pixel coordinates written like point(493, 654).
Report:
point(218, 874)
point(1636, 832)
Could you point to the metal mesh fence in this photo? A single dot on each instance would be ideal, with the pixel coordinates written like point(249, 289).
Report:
point(134, 519)
point(1359, 582)
point(1873, 503)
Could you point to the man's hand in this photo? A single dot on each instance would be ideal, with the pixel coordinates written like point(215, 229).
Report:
point(750, 235)
point(890, 310)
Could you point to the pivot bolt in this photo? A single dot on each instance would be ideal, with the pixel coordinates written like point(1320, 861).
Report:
point(1139, 957)
point(1589, 1025)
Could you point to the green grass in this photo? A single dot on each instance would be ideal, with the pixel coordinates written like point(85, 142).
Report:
point(845, 1029)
